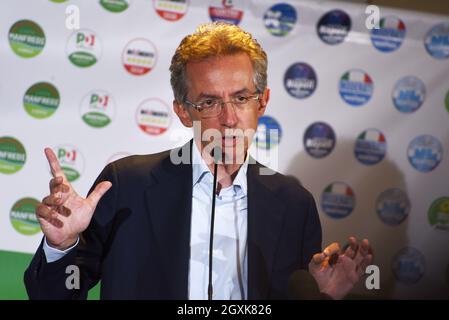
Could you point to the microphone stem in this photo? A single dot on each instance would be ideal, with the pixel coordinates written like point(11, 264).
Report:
point(211, 241)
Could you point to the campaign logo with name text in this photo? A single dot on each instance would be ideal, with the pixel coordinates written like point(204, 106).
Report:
point(390, 34)
point(333, 27)
point(393, 206)
point(370, 147)
point(71, 161)
point(338, 200)
point(280, 19)
point(268, 133)
point(139, 56)
point(438, 214)
point(97, 109)
point(115, 6)
point(356, 87)
point(26, 38)
point(23, 217)
point(171, 10)
point(225, 13)
point(300, 80)
point(12, 155)
point(437, 41)
point(41, 100)
point(409, 94)
point(425, 153)
point(408, 265)
point(153, 116)
point(84, 48)
point(319, 140)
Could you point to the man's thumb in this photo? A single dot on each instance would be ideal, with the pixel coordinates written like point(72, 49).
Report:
point(98, 192)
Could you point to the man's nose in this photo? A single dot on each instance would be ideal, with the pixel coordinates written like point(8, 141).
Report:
point(228, 115)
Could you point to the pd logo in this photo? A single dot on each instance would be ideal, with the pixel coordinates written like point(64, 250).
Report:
point(268, 133)
point(71, 160)
point(356, 87)
point(408, 265)
point(225, 13)
point(338, 200)
point(280, 19)
point(115, 6)
point(393, 206)
point(23, 217)
point(41, 100)
point(84, 48)
point(97, 109)
point(171, 10)
point(12, 155)
point(139, 56)
point(153, 117)
point(438, 214)
point(370, 147)
point(300, 80)
point(437, 41)
point(408, 94)
point(425, 153)
point(333, 27)
point(319, 140)
point(390, 34)
point(26, 38)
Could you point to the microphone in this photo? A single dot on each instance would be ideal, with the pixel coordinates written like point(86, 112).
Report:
point(302, 286)
point(216, 154)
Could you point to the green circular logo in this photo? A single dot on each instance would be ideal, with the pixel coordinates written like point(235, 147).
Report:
point(23, 217)
point(26, 38)
point(12, 155)
point(84, 48)
point(97, 109)
point(447, 101)
point(71, 160)
point(438, 213)
point(115, 6)
point(58, 1)
point(41, 100)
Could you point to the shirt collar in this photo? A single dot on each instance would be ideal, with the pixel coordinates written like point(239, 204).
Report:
point(200, 169)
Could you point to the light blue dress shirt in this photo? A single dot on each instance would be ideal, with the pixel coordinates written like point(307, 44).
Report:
point(230, 253)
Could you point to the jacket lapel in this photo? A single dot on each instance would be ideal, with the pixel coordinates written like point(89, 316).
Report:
point(265, 219)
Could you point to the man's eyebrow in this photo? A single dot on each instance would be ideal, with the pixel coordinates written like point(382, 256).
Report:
point(205, 95)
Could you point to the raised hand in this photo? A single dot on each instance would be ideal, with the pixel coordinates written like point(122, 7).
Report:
point(336, 271)
point(64, 214)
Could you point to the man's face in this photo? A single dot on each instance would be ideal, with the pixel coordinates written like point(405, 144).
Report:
point(224, 78)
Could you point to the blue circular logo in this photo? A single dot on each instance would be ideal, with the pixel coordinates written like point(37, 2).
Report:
point(437, 41)
point(408, 265)
point(370, 147)
point(268, 133)
point(390, 34)
point(338, 200)
point(300, 80)
point(356, 87)
point(319, 140)
point(333, 27)
point(280, 19)
point(409, 94)
point(425, 153)
point(393, 206)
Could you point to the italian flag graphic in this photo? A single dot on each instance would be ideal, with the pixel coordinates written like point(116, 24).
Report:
point(372, 135)
point(339, 188)
point(392, 23)
point(357, 76)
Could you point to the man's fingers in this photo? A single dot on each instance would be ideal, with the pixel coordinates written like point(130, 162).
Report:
point(98, 192)
point(53, 200)
point(60, 188)
point(318, 258)
point(55, 168)
point(44, 212)
point(331, 249)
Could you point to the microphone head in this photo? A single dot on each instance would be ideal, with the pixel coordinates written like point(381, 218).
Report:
point(302, 286)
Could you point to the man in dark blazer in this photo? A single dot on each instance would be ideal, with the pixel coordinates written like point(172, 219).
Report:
point(135, 230)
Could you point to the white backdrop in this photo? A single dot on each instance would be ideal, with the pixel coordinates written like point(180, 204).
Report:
point(408, 227)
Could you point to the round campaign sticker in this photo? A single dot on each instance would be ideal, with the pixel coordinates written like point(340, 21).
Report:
point(26, 38)
point(438, 214)
point(84, 48)
point(390, 35)
point(12, 155)
point(153, 116)
point(319, 140)
point(437, 41)
point(225, 12)
point(115, 6)
point(333, 27)
point(370, 147)
point(97, 109)
point(171, 10)
point(71, 161)
point(338, 200)
point(23, 217)
point(139, 56)
point(41, 100)
point(300, 80)
point(408, 265)
point(393, 206)
point(425, 153)
point(280, 19)
point(268, 133)
point(408, 94)
point(446, 101)
point(356, 87)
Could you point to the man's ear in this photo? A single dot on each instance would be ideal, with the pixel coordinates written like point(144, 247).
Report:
point(182, 114)
point(263, 102)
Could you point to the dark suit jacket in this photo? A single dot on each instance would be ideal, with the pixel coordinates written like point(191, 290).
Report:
point(138, 241)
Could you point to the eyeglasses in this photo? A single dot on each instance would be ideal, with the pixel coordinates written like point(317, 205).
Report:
point(211, 108)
